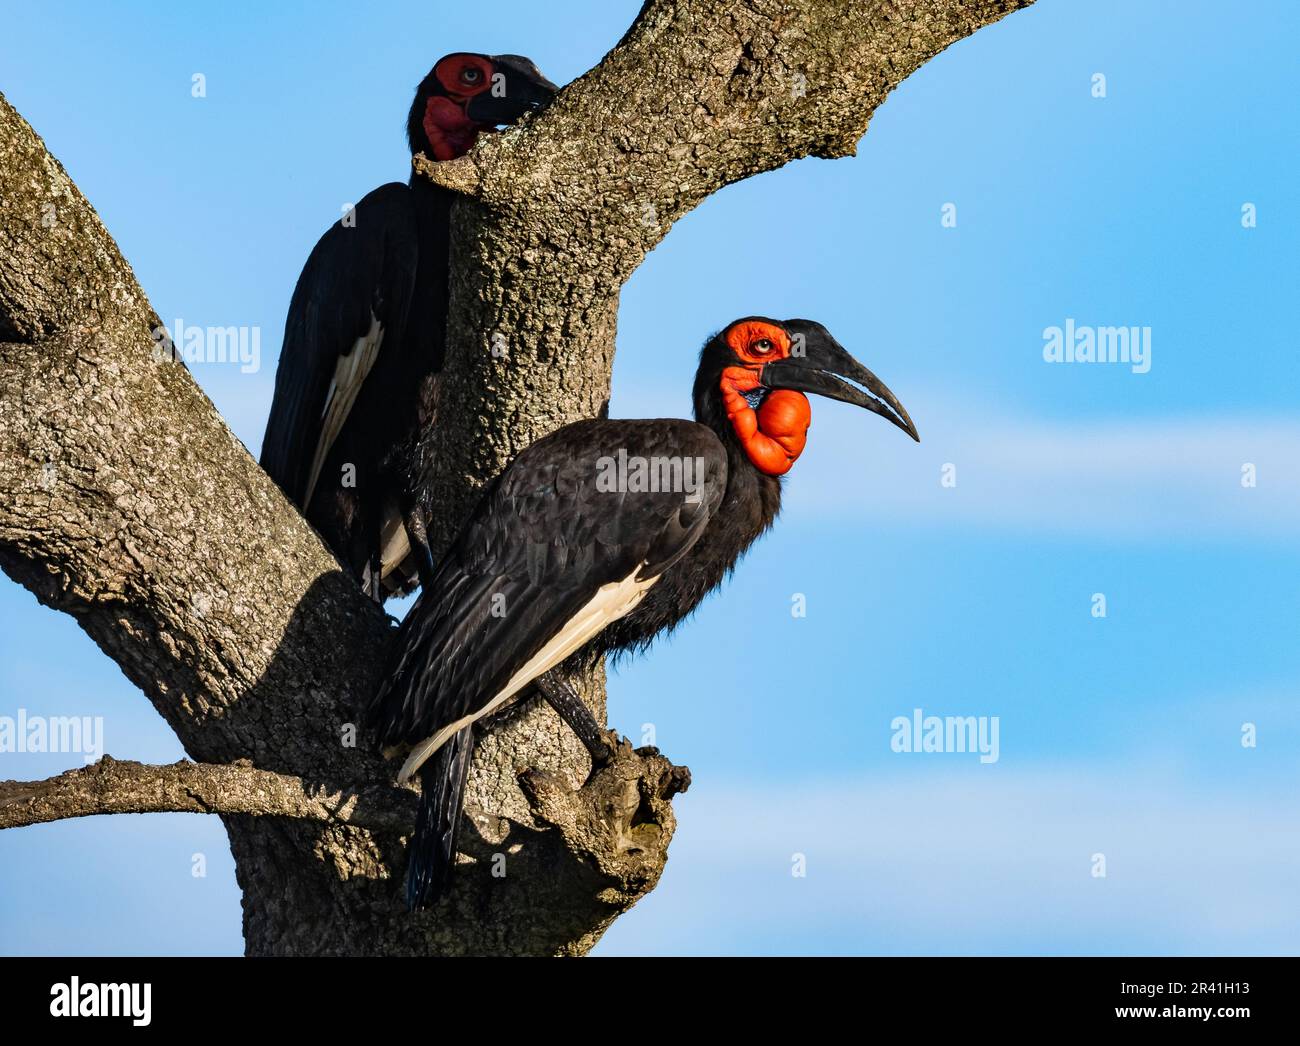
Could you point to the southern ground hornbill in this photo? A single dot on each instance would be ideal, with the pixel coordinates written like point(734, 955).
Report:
point(594, 540)
point(363, 341)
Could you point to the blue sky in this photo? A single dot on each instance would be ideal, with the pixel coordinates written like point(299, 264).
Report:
point(1118, 736)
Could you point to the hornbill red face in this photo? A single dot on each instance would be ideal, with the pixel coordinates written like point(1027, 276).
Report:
point(467, 94)
point(756, 372)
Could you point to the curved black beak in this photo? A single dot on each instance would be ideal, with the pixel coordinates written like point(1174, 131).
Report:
point(820, 364)
point(518, 87)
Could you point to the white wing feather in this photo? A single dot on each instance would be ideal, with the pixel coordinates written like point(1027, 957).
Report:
point(610, 603)
point(349, 375)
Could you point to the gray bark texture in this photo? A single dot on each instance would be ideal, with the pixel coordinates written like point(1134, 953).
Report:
point(126, 502)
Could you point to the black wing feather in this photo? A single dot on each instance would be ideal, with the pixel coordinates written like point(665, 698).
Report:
point(541, 543)
point(353, 273)
point(433, 843)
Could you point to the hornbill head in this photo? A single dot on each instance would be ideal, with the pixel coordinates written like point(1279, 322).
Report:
point(466, 94)
point(753, 376)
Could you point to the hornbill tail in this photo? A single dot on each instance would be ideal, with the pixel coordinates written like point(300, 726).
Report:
point(432, 852)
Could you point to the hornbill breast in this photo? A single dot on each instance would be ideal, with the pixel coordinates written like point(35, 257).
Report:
point(568, 539)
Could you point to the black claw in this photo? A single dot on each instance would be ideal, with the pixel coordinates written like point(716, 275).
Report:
point(418, 537)
point(574, 711)
point(602, 753)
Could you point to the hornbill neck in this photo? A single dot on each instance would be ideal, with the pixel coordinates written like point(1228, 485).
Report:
point(439, 127)
point(752, 496)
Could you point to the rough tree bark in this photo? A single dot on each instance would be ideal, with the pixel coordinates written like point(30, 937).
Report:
point(126, 502)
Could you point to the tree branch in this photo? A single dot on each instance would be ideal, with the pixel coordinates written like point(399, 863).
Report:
point(111, 786)
point(461, 175)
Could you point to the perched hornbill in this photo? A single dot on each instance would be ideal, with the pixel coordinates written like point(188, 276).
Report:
point(363, 341)
point(596, 539)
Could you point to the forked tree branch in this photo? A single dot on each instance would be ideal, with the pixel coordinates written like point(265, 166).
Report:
point(111, 786)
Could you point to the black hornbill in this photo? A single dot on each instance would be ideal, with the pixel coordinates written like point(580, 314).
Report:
point(594, 540)
point(363, 341)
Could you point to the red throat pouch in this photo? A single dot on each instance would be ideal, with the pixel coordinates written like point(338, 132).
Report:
point(448, 129)
point(773, 436)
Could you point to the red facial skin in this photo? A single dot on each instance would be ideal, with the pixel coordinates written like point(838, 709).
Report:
point(449, 130)
point(774, 435)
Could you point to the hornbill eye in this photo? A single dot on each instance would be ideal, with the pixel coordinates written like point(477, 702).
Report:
point(761, 347)
point(471, 75)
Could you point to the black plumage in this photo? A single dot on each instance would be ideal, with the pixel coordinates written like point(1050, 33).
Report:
point(442, 786)
point(355, 391)
point(557, 565)
point(538, 549)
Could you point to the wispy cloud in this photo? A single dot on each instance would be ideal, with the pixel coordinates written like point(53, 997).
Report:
point(1140, 479)
point(985, 862)
point(1155, 479)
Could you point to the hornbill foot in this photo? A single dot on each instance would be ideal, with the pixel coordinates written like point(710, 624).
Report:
point(568, 703)
point(620, 819)
point(424, 568)
point(602, 751)
point(418, 538)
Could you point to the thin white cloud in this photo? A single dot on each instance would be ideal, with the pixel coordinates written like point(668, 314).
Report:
point(983, 862)
point(1157, 479)
point(1138, 480)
